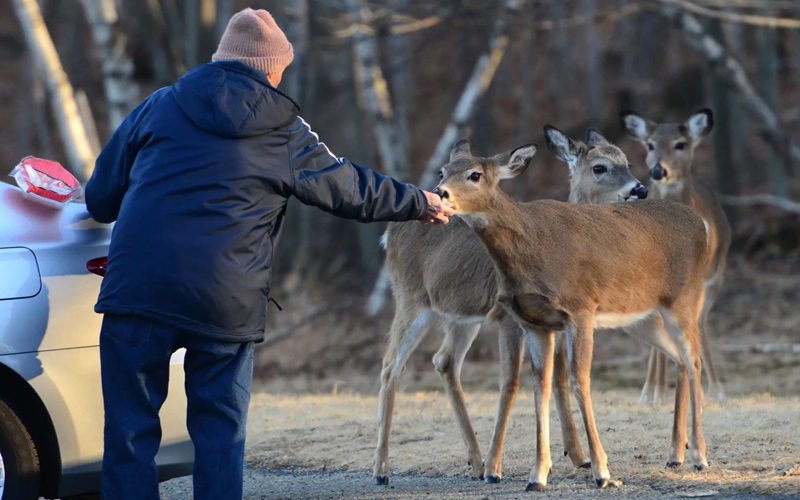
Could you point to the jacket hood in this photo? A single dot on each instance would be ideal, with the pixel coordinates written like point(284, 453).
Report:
point(230, 99)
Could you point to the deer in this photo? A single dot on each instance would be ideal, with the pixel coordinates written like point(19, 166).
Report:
point(443, 274)
point(572, 268)
point(670, 154)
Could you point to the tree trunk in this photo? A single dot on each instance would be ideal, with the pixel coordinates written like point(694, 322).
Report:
point(191, 33)
point(767, 54)
point(595, 79)
point(224, 14)
point(482, 76)
point(170, 50)
point(374, 93)
point(739, 130)
point(76, 142)
point(558, 58)
point(401, 84)
point(122, 93)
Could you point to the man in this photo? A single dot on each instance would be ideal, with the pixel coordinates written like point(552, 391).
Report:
point(197, 178)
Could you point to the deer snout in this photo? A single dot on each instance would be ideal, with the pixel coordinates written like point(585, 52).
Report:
point(639, 191)
point(658, 172)
point(443, 194)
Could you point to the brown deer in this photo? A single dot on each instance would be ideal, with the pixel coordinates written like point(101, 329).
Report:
point(670, 152)
point(444, 272)
point(572, 268)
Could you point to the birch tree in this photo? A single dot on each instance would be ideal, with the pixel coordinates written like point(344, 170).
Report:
point(375, 92)
point(122, 93)
point(62, 97)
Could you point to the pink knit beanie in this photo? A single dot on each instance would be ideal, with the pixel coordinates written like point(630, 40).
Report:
point(253, 38)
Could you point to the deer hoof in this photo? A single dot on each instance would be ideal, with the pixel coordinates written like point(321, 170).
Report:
point(381, 480)
point(605, 482)
point(492, 479)
point(699, 467)
point(586, 465)
point(535, 487)
point(566, 453)
point(674, 464)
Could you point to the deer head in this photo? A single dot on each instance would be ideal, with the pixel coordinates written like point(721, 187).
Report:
point(468, 183)
point(599, 172)
point(670, 146)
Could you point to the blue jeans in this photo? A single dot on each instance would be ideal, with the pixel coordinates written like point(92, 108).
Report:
point(134, 355)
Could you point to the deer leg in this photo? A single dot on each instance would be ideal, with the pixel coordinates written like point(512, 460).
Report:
point(541, 345)
point(448, 362)
point(682, 327)
point(714, 385)
point(408, 329)
point(569, 433)
point(580, 342)
point(649, 390)
point(679, 440)
point(652, 332)
point(510, 340)
point(661, 379)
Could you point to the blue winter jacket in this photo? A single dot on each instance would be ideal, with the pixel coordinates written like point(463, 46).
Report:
point(197, 178)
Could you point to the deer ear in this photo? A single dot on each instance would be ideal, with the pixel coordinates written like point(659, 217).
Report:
point(518, 161)
point(700, 124)
point(636, 126)
point(461, 148)
point(594, 138)
point(560, 145)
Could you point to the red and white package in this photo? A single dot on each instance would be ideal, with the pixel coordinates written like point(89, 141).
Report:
point(46, 181)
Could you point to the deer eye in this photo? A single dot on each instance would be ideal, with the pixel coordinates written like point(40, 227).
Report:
point(441, 175)
point(475, 176)
point(599, 169)
point(650, 146)
point(681, 146)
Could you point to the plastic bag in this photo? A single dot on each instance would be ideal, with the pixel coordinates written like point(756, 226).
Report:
point(46, 182)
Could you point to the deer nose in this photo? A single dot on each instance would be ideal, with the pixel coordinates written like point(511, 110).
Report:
point(658, 172)
point(443, 194)
point(639, 191)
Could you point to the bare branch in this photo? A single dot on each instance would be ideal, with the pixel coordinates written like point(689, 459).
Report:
point(732, 17)
point(732, 71)
point(761, 199)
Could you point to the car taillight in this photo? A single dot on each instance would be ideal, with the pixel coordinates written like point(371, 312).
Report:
point(97, 266)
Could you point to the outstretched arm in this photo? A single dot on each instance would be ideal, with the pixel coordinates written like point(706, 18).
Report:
point(347, 190)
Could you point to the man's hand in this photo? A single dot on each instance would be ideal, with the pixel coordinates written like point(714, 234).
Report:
point(438, 212)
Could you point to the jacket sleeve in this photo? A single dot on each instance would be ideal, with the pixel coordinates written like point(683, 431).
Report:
point(109, 181)
point(345, 189)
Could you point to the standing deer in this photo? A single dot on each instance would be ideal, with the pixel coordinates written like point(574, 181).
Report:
point(444, 272)
point(572, 268)
point(670, 151)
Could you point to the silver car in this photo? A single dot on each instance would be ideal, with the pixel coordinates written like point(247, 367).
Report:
point(51, 404)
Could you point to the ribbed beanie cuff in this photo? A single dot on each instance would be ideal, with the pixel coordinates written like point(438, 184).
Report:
point(253, 38)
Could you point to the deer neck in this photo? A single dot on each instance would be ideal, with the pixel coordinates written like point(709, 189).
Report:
point(680, 191)
point(502, 229)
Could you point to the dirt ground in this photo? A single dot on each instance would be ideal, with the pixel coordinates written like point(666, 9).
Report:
point(299, 446)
